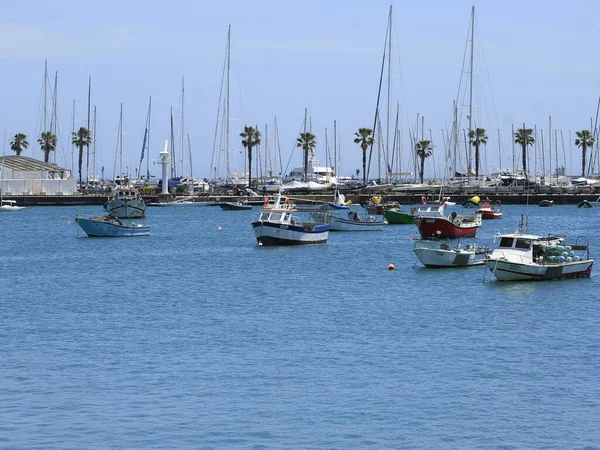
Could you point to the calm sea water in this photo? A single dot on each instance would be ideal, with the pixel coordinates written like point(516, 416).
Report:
point(195, 337)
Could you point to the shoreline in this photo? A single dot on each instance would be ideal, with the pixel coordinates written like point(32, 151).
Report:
point(401, 198)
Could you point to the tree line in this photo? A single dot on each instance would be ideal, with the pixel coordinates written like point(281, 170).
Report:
point(251, 137)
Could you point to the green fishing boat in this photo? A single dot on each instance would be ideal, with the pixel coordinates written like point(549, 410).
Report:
point(396, 216)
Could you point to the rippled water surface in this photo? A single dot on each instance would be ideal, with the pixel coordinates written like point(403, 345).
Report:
point(194, 337)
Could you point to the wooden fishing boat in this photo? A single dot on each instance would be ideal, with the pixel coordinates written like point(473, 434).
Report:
point(110, 226)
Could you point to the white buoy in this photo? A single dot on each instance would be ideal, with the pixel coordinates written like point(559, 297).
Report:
point(164, 160)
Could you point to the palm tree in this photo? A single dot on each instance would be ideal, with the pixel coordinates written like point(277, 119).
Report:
point(308, 142)
point(423, 150)
point(364, 138)
point(250, 139)
point(81, 138)
point(19, 143)
point(47, 143)
point(477, 137)
point(584, 140)
point(523, 137)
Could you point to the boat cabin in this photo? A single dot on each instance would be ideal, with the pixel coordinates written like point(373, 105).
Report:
point(524, 248)
point(278, 216)
point(428, 210)
point(126, 194)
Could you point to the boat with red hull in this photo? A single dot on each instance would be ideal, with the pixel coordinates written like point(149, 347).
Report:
point(489, 210)
point(432, 223)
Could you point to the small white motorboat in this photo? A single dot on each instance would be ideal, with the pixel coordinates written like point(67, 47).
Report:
point(10, 205)
point(442, 254)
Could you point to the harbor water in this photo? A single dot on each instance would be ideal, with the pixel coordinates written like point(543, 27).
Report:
point(195, 337)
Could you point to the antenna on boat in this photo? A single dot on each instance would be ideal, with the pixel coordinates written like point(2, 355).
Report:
point(522, 224)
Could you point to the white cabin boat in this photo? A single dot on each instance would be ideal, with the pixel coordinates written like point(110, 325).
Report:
point(279, 223)
point(523, 256)
point(9, 206)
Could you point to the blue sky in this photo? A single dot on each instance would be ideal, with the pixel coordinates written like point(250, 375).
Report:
point(534, 60)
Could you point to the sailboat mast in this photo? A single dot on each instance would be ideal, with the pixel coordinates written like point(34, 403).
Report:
point(549, 147)
point(306, 150)
point(267, 156)
point(45, 107)
point(95, 172)
point(148, 141)
point(121, 143)
point(182, 124)
point(335, 148)
point(227, 101)
point(87, 163)
point(72, 133)
point(471, 84)
point(54, 117)
point(389, 86)
point(173, 162)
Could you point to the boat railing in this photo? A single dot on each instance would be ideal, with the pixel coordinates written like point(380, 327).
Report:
point(580, 245)
point(434, 245)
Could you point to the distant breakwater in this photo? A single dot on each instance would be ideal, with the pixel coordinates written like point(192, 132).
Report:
point(356, 198)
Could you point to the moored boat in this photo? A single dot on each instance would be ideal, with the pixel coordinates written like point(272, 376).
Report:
point(489, 210)
point(339, 201)
point(235, 206)
point(526, 257)
point(437, 254)
point(473, 202)
point(395, 216)
point(354, 222)
point(110, 226)
point(279, 223)
point(585, 204)
point(546, 203)
point(126, 203)
point(10, 205)
point(432, 223)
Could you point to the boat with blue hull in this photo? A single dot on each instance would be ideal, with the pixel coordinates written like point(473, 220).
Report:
point(280, 224)
point(108, 226)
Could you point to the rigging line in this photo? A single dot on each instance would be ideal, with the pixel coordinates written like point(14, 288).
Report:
point(223, 70)
point(378, 98)
point(295, 146)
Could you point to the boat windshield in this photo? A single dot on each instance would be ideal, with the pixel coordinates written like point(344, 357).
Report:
point(523, 243)
point(506, 242)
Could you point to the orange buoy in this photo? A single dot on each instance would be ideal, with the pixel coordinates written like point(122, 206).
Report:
point(391, 267)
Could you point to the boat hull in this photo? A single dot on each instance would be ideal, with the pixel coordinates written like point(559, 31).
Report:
point(339, 224)
point(96, 227)
point(437, 258)
point(283, 234)
point(126, 209)
point(8, 208)
point(229, 206)
point(486, 215)
point(440, 227)
point(337, 206)
point(397, 217)
point(510, 271)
